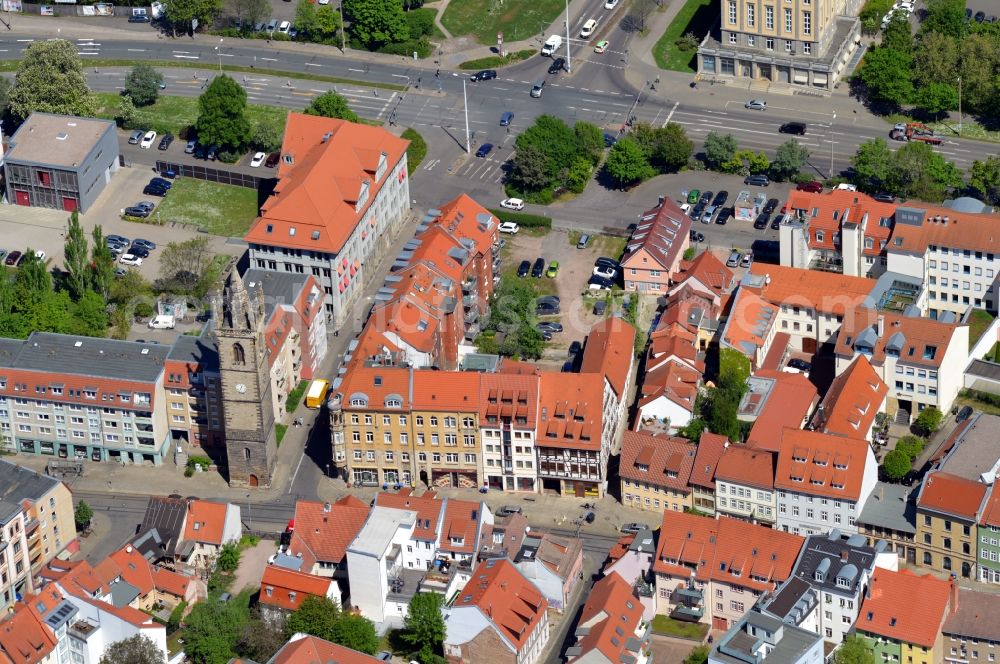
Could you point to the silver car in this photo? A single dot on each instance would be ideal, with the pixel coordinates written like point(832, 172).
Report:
point(756, 105)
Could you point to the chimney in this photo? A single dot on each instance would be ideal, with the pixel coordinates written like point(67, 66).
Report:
point(326, 507)
point(843, 555)
point(881, 326)
point(954, 595)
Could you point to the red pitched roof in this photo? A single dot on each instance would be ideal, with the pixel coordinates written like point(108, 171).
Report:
point(822, 464)
point(672, 380)
point(24, 637)
point(609, 350)
point(790, 401)
point(506, 599)
point(923, 341)
point(991, 513)
point(134, 568)
point(461, 522)
point(828, 292)
point(171, 582)
point(610, 617)
point(709, 270)
point(662, 461)
point(314, 650)
point(853, 400)
point(661, 233)
point(945, 227)
point(509, 395)
point(889, 609)
point(427, 506)
point(710, 449)
point(749, 467)
point(827, 212)
point(286, 588)
point(951, 494)
point(322, 535)
point(570, 407)
point(205, 522)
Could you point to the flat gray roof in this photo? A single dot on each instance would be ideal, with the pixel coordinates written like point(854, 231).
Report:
point(57, 140)
point(974, 455)
point(976, 616)
point(18, 483)
point(382, 523)
point(891, 506)
point(984, 369)
point(200, 349)
point(87, 356)
point(279, 287)
point(742, 647)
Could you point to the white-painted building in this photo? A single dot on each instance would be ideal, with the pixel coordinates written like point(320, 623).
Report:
point(377, 556)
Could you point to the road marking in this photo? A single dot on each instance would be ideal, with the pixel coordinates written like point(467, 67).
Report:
point(225, 55)
point(671, 114)
point(269, 59)
point(505, 89)
point(313, 64)
point(136, 50)
point(182, 51)
point(89, 53)
point(25, 40)
point(400, 76)
point(302, 94)
point(429, 166)
point(187, 57)
point(360, 70)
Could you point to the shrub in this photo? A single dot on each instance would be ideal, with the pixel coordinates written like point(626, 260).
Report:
point(421, 22)
point(197, 460)
point(143, 309)
point(227, 157)
point(422, 47)
point(497, 61)
point(522, 218)
point(417, 150)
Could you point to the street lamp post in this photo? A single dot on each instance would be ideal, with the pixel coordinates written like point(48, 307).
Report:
point(959, 105)
point(249, 514)
point(465, 102)
point(343, 37)
point(218, 49)
point(569, 65)
point(831, 142)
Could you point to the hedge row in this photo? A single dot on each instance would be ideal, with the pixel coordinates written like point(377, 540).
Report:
point(417, 150)
point(522, 218)
point(498, 61)
point(984, 397)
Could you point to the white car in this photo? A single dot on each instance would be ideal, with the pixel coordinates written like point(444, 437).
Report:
point(40, 255)
point(509, 227)
point(611, 4)
point(606, 272)
point(257, 160)
point(130, 259)
point(147, 140)
point(512, 204)
point(284, 27)
point(904, 5)
point(886, 19)
point(588, 28)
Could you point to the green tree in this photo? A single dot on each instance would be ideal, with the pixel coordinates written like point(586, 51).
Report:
point(946, 17)
point(910, 445)
point(937, 98)
point(305, 17)
point(424, 627)
point(984, 178)
point(672, 149)
point(719, 148)
point(316, 616)
point(75, 257)
point(143, 84)
point(327, 23)
point(375, 23)
point(90, 315)
point(356, 632)
point(32, 279)
point(579, 175)
point(528, 171)
point(213, 630)
point(626, 164)
point(898, 35)
point(896, 465)
point(261, 637)
point(50, 79)
point(249, 12)
point(979, 58)
point(229, 557)
point(693, 429)
point(102, 264)
point(872, 165)
point(555, 140)
point(698, 655)
point(137, 649)
point(935, 59)
point(82, 514)
point(920, 171)
point(330, 104)
point(222, 114)
point(789, 159)
point(267, 134)
point(734, 369)
point(589, 140)
point(929, 420)
point(126, 111)
point(854, 650)
point(745, 162)
point(5, 87)
point(886, 74)
point(182, 13)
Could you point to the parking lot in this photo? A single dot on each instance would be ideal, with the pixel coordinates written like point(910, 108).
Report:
point(140, 157)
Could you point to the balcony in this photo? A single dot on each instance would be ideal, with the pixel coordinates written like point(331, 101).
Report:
point(469, 301)
point(469, 284)
point(472, 316)
point(687, 613)
point(688, 595)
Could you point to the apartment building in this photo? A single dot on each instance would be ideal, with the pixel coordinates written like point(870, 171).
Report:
point(837, 231)
point(208, 527)
point(553, 564)
point(15, 564)
point(898, 628)
point(744, 485)
point(508, 420)
point(84, 398)
point(573, 442)
point(654, 251)
point(192, 388)
point(655, 471)
point(822, 481)
point(751, 326)
point(322, 532)
point(611, 628)
point(988, 533)
point(955, 254)
point(47, 505)
point(774, 401)
point(711, 447)
point(283, 590)
point(342, 195)
point(948, 511)
point(24, 637)
point(971, 627)
point(804, 43)
point(919, 359)
point(610, 352)
point(890, 515)
point(498, 617)
point(713, 570)
point(853, 402)
point(759, 639)
point(376, 559)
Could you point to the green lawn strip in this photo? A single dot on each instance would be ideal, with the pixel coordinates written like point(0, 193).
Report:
point(493, 61)
point(416, 151)
point(279, 432)
point(219, 209)
point(12, 65)
point(173, 114)
point(695, 16)
point(686, 630)
point(979, 320)
point(295, 396)
point(516, 19)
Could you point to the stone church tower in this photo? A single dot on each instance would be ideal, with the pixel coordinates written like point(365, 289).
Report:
point(251, 445)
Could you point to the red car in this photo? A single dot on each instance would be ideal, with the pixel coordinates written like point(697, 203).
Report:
point(272, 160)
point(812, 187)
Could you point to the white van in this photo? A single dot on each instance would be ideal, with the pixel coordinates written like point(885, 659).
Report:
point(551, 45)
point(588, 28)
point(162, 322)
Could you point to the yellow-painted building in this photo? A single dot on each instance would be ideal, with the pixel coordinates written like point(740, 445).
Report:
point(948, 507)
point(655, 471)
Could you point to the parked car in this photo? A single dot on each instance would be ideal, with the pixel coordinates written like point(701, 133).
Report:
point(484, 75)
point(600, 307)
point(138, 18)
point(597, 282)
point(553, 270)
point(757, 180)
point(558, 64)
point(771, 205)
point(147, 140)
point(484, 150)
point(272, 160)
point(139, 251)
point(734, 259)
point(884, 197)
point(135, 211)
point(130, 259)
point(813, 187)
point(506, 119)
point(546, 309)
point(118, 239)
point(257, 160)
point(13, 258)
point(135, 137)
point(538, 268)
point(724, 215)
point(165, 141)
point(551, 326)
point(190, 147)
point(213, 151)
point(583, 241)
point(161, 182)
point(155, 190)
point(795, 365)
point(963, 414)
point(706, 197)
point(747, 260)
point(512, 204)
point(284, 27)
point(706, 217)
point(762, 220)
point(507, 510)
point(604, 261)
point(145, 244)
point(523, 269)
point(776, 224)
point(720, 198)
point(756, 105)
point(508, 227)
point(693, 196)
point(797, 128)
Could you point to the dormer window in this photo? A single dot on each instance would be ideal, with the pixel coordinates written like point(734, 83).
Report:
point(383, 163)
point(820, 576)
point(362, 197)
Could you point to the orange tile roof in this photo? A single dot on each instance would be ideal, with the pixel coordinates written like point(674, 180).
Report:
point(205, 522)
point(827, 292)
point(952, 495)
point(916, 336)
point(749, 467)
point(727, 550)
point(325, 535)
point(710, 449)
point(750, 321)
point(570, 410)
point(673, 341)
point(671, 380)
point(791, 399)
point(428, 506)
point(991, 512)
point(663, 461)
point(709, 270)
point(452, 391)
point(134, 568)
point(889, 610)
point(661, 233)
point(464, 218)
point(828, 211)
point(619, 549)
point(512, 395)
point(962, 230)
point(610, 617)
point(609, 350)
point(24, 637)
point(287, 588)
point(374, 384)
point(821, 464)
point(509, 601)
point(314, 650)
point(171, 582)
point(317, 193)
point(853, 400)
point(462, 519)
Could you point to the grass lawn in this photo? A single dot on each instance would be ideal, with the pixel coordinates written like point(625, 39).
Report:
point(219, 209)
point(685, 630)
point(696, 16)
point(516, 19)
point(978, 322)
point(173, 114)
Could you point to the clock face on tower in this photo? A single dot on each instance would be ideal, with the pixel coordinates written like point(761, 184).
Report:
point(241, 388)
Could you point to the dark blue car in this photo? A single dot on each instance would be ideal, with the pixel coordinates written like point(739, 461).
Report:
point(484, 149)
